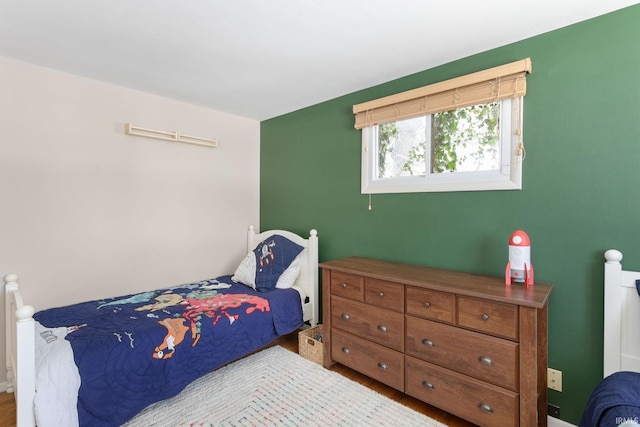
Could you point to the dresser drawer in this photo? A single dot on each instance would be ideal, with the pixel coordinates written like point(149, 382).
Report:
point(431, 304)
point(384, 294)
point(347, 285)
point(375, 361)
point(373, 323)
point(487, 316)
point(481, 356)
point(478, 402)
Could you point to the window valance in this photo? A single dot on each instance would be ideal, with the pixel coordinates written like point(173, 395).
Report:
point(494, 84)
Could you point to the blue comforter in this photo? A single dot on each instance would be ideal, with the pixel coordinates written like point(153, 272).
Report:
point(138, 349)
point(614, 400)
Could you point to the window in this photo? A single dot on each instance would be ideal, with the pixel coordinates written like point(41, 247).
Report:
point(460, 135)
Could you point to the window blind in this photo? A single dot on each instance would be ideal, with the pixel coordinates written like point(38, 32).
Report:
point(494, 84)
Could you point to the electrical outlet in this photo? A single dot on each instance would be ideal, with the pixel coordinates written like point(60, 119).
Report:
point(554, 379)
point(553, 410)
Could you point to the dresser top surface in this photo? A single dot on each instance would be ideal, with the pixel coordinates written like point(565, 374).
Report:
point(469, 284)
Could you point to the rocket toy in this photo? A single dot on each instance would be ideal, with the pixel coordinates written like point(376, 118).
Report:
point(519, 268)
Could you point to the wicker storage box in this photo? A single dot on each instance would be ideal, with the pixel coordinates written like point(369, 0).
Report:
point(310, 344)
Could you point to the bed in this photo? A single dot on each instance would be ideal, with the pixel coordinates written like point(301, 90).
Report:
point(615, 400)
point(100, 362)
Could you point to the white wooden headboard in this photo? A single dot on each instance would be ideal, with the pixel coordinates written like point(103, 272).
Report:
point(621, 316)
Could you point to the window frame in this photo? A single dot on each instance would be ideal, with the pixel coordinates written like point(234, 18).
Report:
point(508, 178)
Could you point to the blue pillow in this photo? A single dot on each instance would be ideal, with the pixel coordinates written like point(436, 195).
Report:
point(273, 256)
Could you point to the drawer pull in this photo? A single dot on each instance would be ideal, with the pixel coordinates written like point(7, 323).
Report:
point(344, 286)
point(485, 360)
point(428, 343)
point(485, 317)
point(381, 294)
point(383, 366)
point(345, 316)
point(427, 304)
point(427, 384)
point(382, 328)
point(485, 408)
point(345, 350)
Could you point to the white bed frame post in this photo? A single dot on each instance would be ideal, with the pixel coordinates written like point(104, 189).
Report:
point(612, 275)
point(20, 352)
point(313, 267)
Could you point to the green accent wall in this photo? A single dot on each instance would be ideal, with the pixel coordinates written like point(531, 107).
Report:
point(580, 196)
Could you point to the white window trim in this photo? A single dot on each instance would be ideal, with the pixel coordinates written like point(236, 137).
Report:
point(509, 178)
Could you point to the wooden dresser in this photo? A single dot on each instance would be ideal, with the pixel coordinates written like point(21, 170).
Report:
point(466, 343)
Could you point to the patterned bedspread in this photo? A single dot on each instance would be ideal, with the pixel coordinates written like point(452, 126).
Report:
point(138, 349)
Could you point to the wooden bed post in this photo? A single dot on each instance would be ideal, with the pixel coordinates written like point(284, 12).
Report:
point(20, 348)
point(313, 266)
point(9, 280)
point(612, 326)
point(250, 236)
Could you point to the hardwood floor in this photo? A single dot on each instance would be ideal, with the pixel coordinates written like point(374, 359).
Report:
point(7, 410)
point(290, 342)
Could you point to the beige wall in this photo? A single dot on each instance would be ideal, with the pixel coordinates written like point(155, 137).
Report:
point(88, 212)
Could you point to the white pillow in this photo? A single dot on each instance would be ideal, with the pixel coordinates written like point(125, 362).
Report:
point(246, 271)
point(289, 276)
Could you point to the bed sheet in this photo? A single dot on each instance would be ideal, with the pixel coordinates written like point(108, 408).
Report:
point(138, 349)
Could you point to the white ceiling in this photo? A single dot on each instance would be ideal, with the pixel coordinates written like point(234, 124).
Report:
point(263, 58)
